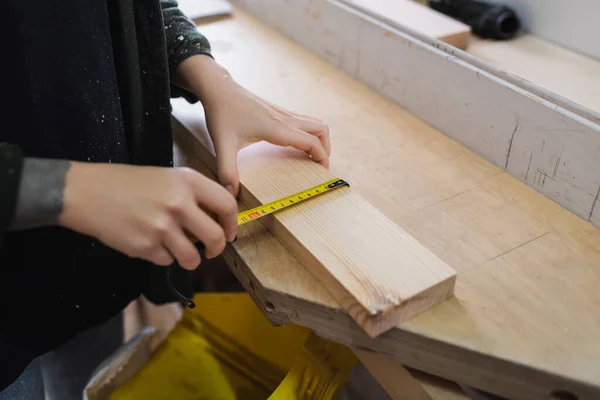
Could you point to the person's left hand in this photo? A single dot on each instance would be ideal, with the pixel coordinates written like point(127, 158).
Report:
point(237, 118)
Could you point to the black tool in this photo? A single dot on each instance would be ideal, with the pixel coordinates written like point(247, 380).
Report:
point(186, 301)
point(490, 21)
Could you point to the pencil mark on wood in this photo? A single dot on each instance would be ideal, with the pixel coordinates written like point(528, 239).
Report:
point(528, 166)
point(557, 162)
point(544, 181)
point(512, 137)
point(517, 247)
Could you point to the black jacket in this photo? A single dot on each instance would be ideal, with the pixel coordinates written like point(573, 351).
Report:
point(86, 81)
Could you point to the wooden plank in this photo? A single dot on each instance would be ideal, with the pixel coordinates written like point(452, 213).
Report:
point(420, 18)
point(522, 324)
point(377, 272)
point(546, 141)
point(401, 384)
point(393, 377)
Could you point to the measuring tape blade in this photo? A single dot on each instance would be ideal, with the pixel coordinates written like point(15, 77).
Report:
point(257, 212)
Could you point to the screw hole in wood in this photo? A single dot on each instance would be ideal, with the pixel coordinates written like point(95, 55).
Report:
point(252, 286)
point(270, 307)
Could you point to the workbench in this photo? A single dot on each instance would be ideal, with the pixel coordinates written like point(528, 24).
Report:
point(524, 321)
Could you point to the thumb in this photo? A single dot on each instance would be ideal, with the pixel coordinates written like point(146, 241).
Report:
point(227, 167)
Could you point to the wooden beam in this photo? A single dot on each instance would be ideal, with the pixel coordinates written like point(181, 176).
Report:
point(378, 272)
point(549, 142)
point(420, 18)
point(392, 376)
point(402, 384)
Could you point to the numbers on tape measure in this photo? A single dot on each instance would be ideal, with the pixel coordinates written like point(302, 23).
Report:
point(257, 212)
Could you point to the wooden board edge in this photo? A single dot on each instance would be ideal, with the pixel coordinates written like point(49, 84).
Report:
point(517, 125)
point(403, 383)
point(459, 38)
point(378, 324)
point(393, 377)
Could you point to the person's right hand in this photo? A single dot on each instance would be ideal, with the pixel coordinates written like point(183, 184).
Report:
point(145, 212)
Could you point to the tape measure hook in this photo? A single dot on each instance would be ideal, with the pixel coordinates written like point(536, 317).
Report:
point(339, 182)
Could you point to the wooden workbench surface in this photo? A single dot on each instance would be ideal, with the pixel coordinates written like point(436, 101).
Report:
point(525, 318)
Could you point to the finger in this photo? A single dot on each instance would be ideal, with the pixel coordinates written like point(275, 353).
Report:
point(216, 199)
point(314, 127)
point(182, 249)
point(289, 136)
point(227, 167)
point(160, 256)
point(206, 230)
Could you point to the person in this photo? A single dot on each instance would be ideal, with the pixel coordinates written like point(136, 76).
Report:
point(91, 207)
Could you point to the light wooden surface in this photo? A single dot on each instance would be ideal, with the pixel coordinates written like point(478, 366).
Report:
point(549, 142)
point(375, 270)
point(565, 72)
point(420, 18)
point(524, 321)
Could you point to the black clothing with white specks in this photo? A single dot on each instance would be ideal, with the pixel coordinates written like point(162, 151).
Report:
point(86, 81)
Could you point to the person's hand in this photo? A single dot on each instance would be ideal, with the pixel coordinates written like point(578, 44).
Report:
point(147, 212)
point(237, 118)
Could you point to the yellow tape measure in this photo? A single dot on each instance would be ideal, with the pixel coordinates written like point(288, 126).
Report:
point(253, 214)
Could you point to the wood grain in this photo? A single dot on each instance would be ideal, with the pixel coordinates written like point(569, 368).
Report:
point(523, 323)
point(375, 270)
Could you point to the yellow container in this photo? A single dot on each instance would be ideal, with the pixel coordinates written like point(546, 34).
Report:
point(225, 349)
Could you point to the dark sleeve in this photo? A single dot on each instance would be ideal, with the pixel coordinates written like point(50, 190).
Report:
point(183, 39)
point(11, 163)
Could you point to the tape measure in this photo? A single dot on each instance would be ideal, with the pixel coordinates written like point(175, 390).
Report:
point(253, 214)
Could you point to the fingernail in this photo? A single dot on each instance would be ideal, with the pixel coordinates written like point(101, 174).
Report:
point(234, 239)
point(229, 188)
